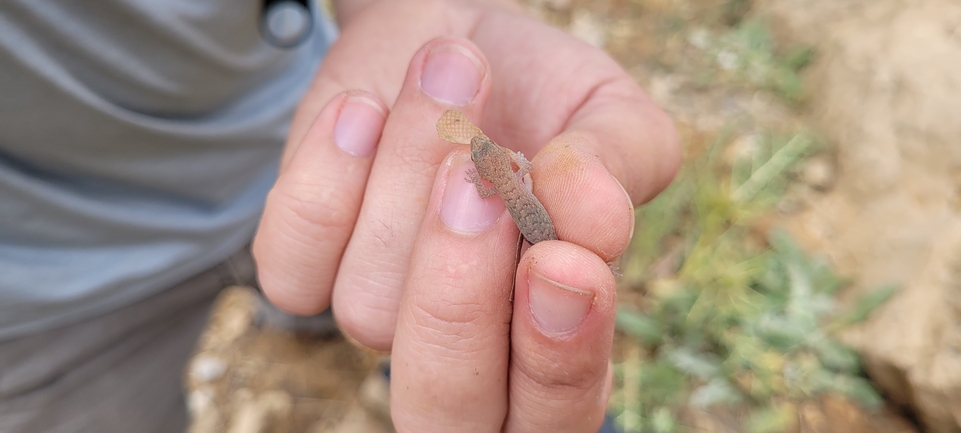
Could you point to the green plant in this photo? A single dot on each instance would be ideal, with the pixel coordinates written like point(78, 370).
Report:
point(742, 319)
point(748, 54)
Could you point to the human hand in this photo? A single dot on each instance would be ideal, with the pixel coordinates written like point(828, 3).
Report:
point(366, 226)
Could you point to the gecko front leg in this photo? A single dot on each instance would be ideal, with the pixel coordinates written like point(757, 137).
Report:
point(524, 167)
point(474, 177)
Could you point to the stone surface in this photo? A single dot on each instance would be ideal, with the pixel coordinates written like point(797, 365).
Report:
point(207, 368)
point(884, 88)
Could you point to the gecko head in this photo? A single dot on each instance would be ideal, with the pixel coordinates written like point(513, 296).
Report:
point(481, 148)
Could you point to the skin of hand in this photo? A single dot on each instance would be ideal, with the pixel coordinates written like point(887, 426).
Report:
point(372, 213)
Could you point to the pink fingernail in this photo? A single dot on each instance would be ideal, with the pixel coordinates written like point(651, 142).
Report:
point(452, 75)
point(463, 209)
point(557, 307)
point(359, 125)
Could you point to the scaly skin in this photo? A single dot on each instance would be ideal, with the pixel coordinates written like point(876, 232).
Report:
point(494, 164)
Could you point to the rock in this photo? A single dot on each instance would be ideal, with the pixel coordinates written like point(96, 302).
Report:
point(205, 418)
point(885, 87)
point(916, 349)
point(199, 400)
point(375, 394)
point(230, 318)
point(256, 414)
point(207, 368)
point(259, 379)
point(819, 173)
point(354, 421)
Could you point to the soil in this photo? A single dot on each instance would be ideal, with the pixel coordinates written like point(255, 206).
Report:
point(247, 377)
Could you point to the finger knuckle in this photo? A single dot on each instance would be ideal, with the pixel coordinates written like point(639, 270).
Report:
point(321, 206)
point(558, 377)
point(453, 317)
point(367, 314)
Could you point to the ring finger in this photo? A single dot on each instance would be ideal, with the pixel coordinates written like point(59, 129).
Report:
point(311, 210)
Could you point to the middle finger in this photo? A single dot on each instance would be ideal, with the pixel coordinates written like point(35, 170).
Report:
point(444, 73)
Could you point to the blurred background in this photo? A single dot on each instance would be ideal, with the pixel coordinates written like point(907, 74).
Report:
point(802, 273)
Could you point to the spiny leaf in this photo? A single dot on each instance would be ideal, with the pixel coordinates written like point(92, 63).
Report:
point(717, 391)
point(798, 57)
point(836, 356)
point(776, 166)
point(860, 390)
point(700, 365)
point(639, 325)
point(865, 305)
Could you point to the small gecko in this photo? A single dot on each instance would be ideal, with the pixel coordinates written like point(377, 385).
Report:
point(494, 165)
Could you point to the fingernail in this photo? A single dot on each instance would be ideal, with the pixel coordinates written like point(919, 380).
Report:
point(452, 75)
point(557, 307)
point(462, 208)
point(630, 204)
point(359, 125)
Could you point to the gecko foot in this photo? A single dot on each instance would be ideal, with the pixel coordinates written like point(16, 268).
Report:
point(472, 176)
point(524, 166)
point(614, 269)
point(482, 191)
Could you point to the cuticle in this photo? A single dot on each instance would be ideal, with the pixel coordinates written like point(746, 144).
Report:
point(562, 286)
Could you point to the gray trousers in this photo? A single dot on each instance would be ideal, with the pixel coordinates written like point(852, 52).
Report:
point(121, 372)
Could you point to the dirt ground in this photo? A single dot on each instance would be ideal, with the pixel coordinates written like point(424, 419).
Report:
point(250, 378)
point(247, 379)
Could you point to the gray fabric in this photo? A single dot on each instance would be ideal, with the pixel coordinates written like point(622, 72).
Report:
point(138, 139)
point(118, 373)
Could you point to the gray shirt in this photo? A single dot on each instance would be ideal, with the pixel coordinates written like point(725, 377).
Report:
point(138, 140)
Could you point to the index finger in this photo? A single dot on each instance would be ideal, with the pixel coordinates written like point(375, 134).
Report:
point(450, 351)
